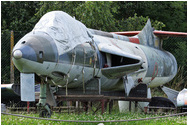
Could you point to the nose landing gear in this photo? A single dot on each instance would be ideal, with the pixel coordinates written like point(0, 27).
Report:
point(43, 107)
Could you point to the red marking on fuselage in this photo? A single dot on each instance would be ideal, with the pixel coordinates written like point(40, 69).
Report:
point(155, 71)
point(134, 40)
point(114, 44)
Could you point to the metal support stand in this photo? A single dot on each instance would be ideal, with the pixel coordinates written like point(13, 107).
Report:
point(86, 104)
point(102, 106)
point(99, 82)
point(28, 106)
point(110, 106)
point(136, 106)
point(129, 106)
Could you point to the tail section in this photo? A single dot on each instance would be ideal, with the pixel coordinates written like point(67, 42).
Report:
point(146, 36)
point(149, 37)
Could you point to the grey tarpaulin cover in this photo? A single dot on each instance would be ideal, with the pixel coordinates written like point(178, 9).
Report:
point(66, 31)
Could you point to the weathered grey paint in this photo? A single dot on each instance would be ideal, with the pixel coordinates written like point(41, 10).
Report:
point(37, 48)
point(86, 60)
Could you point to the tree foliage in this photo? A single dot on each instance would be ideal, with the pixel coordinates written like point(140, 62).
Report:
point(17, 15)
point(172, 13)
point(102, 15)
point(137, 23)
point(97, 14)
point(108, 16)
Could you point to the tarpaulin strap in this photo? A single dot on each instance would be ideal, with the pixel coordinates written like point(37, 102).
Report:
point(92, 43)
point(73, 60)
point(83, 70)
point(72, 64)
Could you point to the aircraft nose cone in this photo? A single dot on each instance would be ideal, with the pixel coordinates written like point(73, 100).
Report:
point(17, 54)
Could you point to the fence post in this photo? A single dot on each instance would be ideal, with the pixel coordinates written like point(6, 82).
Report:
point(11, 62)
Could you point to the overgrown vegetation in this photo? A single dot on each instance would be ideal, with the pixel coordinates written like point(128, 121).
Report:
point(104, 15)
point(13, 120)
point(180, 80)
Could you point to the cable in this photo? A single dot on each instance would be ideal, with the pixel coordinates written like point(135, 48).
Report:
point(185, 113)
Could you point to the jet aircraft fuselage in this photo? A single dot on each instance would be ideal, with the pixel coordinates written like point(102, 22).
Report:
point(65, 53)
point(39, 55)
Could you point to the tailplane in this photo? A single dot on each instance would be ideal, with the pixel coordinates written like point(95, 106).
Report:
point(144, 37)
point(149, 37)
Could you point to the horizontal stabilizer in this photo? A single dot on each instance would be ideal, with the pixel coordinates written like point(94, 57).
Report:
point(150, 37)
point(169, 34)
point(156, 33)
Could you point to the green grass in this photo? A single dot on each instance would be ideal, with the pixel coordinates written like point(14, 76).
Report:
point(13, 120)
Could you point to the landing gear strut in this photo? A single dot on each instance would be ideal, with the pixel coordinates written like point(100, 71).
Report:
point(43, 107)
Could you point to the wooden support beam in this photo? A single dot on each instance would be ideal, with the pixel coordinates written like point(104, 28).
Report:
point(102, 106)
point(11, 62)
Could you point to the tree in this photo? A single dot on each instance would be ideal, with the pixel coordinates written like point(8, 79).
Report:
point(101, 15)
point(137, 23)
point(171, 13)
point(17, 15)
point(94, 14)
point(104, 15)
point(66, 6)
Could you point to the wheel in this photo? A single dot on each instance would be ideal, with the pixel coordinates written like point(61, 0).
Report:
point(42, 113)
point(161, 102)
point(45, 114)
point(44, 110)
point(48, 115)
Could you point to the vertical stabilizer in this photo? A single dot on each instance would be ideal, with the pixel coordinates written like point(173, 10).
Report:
point(146, 36)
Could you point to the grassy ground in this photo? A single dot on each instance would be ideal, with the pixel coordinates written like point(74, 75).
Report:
point(13, 120)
